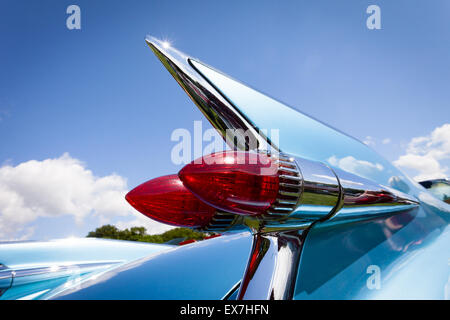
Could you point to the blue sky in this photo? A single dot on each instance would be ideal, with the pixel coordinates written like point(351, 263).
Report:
point(101, 96)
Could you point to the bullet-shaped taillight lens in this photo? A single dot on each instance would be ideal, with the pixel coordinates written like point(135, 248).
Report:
point(166, 200)
point(244, 183)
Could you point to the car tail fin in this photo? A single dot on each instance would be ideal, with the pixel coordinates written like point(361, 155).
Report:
point(263, 123)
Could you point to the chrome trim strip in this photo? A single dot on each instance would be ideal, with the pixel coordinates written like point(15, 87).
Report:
point(336, 194)
point(6, 274)
point(272, 267)
point(6, 278)
point(216, 108)
point(362, 195)
point(221, 221)
point(231, 291)
point(321, 190)
point(291, 194)
point(290, 187)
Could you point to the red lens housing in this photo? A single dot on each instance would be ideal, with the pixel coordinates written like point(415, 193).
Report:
point(165, 199)
point(239, 182)
point(182, 243)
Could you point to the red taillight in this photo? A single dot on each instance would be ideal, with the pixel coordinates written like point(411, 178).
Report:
point(166, 200)
point(182, 243)
point(371, 197)
point(239, 182)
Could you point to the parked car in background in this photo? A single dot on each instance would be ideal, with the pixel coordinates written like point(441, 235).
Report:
point(438, 187)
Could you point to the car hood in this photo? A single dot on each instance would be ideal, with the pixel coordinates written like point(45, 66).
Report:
point(32, 269)
point(202, 270)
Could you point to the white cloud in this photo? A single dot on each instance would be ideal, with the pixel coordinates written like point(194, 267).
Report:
point(353, 165)
point(56, 187)
point(428, 156)
point(369, 141)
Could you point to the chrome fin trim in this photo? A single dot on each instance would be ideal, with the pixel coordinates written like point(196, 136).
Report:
point(221, 221)
point(290, 188)
point(215, 107)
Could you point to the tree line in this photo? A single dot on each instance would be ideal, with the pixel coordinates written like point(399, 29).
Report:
point(173, 236)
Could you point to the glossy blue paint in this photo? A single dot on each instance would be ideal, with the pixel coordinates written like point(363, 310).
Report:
point(31, 253)
point(404, 245)
point(202, 270)
point(410, 249)
point(66, 252)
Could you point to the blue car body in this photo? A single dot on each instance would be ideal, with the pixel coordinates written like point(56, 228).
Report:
point(359, 254)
